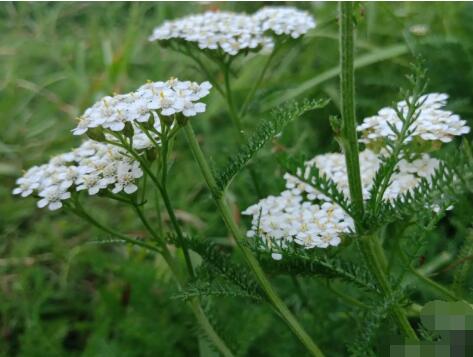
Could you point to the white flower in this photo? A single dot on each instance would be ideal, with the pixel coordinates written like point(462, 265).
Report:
point(29, 182)
point(93, 167)
point(419, 29)
point(52, 197)
point(285, 20)
point(91, 182)
point(127, 173)
point(433, 122)
point(149, 101)
point(234, 33)
point(288, 218)
point(308, 218)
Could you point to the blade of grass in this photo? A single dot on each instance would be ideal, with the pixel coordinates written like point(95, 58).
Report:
point(362, 61)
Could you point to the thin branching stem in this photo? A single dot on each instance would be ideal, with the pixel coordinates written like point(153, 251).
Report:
point(232, 226)
point(164, 251)
point(256, 84)
point(442, 290)
point(368, 243)
point(80, 212)
point(167, 203)
point(230, 103)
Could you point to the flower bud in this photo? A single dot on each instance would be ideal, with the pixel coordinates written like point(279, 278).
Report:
point(96, 134)
point(128, 131)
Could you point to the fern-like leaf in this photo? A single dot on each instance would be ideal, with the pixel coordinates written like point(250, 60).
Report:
point(320, 264)
point(214, 288)
point(213, 256)
point(431, 196)
point(311, 175)
point(269, 128)
point(464, 265)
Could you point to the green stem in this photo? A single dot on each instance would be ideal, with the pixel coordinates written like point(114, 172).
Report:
point(256, 85)
point(347, 89)
point(237, 122)
point(194, 303)
point(436, 286)
point(371, 253)
point(442, 290)
point(175, 224)
point(205, 70)
point(208, 328)
point(346, 299)
point(230, 103)
point(170, 209)
point(227, 216)
point(81, 213)
point(167, 204)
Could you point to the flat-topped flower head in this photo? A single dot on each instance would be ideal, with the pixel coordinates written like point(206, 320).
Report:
point(149, 102)
point(283, 20)
point(235, 33)
point(91, 167)
point(407, 174)
point(228, 31)
point(433, 123)
point(288, 218)
point(304, 216)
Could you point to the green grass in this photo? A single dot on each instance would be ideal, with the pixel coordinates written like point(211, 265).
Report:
point(59, 294)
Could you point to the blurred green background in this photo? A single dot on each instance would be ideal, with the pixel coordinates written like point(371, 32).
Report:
point(59, 294)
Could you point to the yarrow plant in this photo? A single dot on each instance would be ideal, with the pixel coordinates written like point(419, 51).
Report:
point(308, 217)
point(334, 203)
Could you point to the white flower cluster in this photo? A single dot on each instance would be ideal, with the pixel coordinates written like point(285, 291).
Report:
point(295, 216)
point(280, 220)
point(433, 122)
point(93, 167)
point(284, 20)
point(406, 176)
point(148, 101)
point(235, 32)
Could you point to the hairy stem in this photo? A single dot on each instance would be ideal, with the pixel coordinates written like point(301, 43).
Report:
point(368, 244)
point(232, 226)
point(347, 89)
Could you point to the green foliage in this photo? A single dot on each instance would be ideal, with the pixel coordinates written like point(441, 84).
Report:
point(217, 261)
point(450, 180)
point(460, 276)
point(372, 320)
point(398, 148)
point(214, 288)
point(312, 176)
point(298, 262)
point(61, 296)
point(266, 131)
